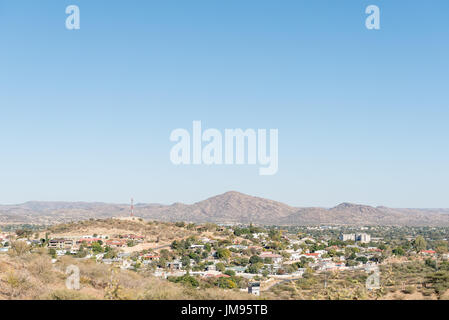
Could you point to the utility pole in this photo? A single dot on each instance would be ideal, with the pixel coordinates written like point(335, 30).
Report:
point(132, 207)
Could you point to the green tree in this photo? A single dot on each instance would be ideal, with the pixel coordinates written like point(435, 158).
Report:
point(185, 262)
point(220, 267)
point(362, 259)
point(230, 273)
point(223, 253)
point(226, 283)
point(97, 248)
point(398, 251)
point(255, 259)
point(419, 244)
point(439, 280)
point(254, 268)
point(186, 280)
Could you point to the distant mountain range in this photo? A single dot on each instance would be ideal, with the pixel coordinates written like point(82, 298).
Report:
point(230, 207)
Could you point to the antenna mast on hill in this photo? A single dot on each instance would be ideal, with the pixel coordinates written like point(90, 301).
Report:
point(132, 207)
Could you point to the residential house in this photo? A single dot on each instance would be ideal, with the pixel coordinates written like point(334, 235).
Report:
point(294, 255)
point(276, 258)
point(211, 267)
point(88, 241)
point(150, 257)
point(428, 252)
point(174, 265)
point(254, 288)
point(66, 244)
point(116, 243)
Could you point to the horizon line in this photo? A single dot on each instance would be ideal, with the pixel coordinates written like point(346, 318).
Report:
point(217, 195)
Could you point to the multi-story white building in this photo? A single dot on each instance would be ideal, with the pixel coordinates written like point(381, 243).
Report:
point(347, 237)
point(64, 244)
point(362, 237)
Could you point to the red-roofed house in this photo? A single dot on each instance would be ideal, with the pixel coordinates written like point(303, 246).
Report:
point(116, 243)
point(88, 241)
point(313, 254)
point(150, 256)
point(428, 252)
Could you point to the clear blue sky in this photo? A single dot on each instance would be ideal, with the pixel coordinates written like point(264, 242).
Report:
point(362, 115)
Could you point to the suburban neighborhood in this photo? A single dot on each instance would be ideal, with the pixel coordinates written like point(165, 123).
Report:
point(256, 260)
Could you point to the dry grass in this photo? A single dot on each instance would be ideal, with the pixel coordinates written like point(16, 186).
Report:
point(33, 276)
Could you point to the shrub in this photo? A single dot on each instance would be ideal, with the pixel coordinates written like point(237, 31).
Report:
point(409, 290)
point(19, 248)
point(186, 280)
point(65, 294)
point(17, 283)
point(40, 267)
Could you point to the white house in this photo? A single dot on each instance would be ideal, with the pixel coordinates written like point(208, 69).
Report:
point(254, 288)
point(61, 252)
point(294, 255)
point(276, 258)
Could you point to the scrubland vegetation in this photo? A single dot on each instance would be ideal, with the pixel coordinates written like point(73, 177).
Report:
point(123, 259)
point(33, 276)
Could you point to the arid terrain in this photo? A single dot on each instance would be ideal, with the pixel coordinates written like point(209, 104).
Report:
point(31, 274)
point(231, 207)
point(132, 258)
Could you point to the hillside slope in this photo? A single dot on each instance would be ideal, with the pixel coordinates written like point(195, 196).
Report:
point(230, 207)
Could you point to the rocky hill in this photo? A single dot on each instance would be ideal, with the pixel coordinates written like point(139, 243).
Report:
point(230, 207)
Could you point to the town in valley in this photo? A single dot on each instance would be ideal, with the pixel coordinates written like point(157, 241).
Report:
point(131, 258)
